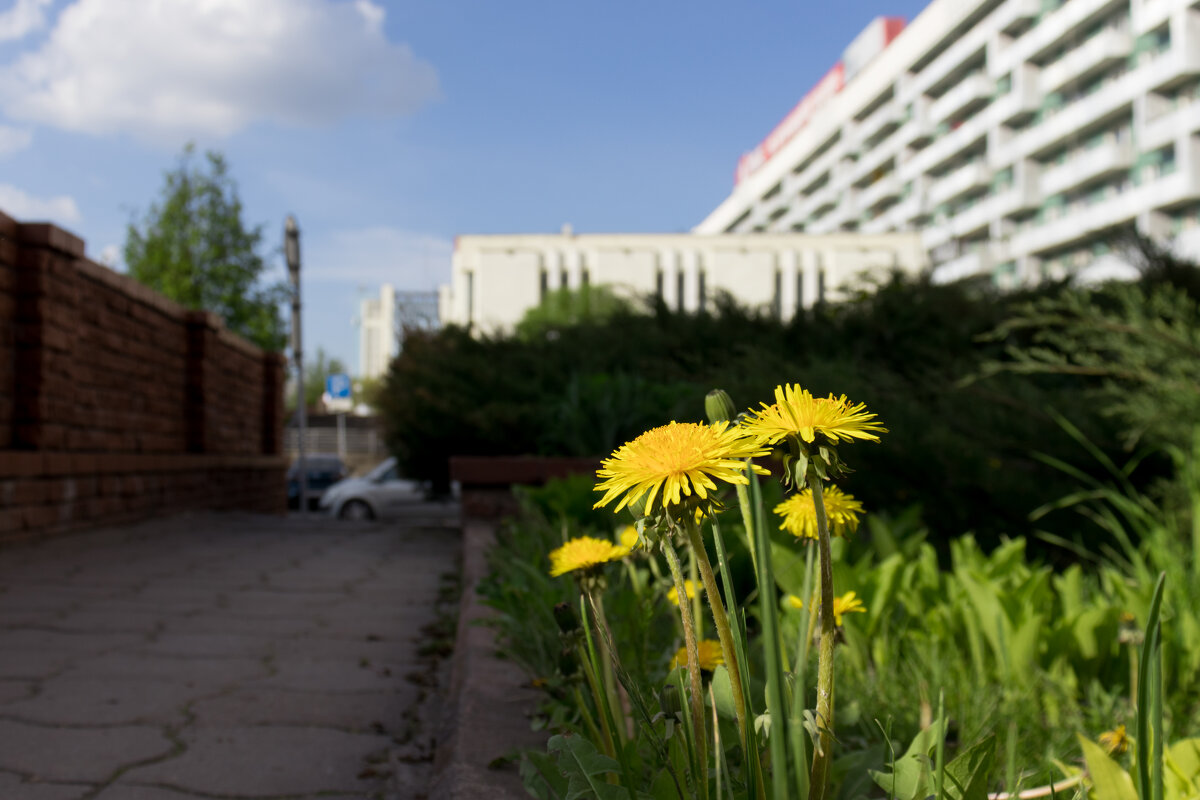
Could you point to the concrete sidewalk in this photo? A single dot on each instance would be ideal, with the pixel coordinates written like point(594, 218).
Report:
point(230, 656)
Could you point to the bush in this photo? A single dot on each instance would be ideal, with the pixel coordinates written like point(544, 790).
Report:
point(584, 388)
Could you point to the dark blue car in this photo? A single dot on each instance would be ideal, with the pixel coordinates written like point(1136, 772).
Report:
point(323, 471)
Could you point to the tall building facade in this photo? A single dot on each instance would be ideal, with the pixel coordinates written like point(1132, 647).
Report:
point(382, 324)
point(496, 279)
point(1012, 135)
point(377, 343)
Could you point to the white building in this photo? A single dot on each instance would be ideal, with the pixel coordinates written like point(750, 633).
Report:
point(1011, 134)
point(377, 343)
point(496, 279)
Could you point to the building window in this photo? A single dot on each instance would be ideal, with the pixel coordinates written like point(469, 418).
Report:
point(562, 279)
point(701, 290)
point(679, 278)
point(821, 285)
point(777, 303)
point(543, 285)
point(470, 296)
point(585, 277)
point(658, 285)
point(799, 290)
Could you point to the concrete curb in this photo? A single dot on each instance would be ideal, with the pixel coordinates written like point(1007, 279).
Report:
point(486, 706)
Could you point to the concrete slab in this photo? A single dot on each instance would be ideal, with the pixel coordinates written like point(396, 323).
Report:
point(266, 762)
point(344, 676)
point(354, 712)
point(186, 671)
point(96, 754)
point(33, 664)
point(206, 645)
point(217, 655)
point(13, 786)
point(14, 690)
point(107, 701)
point(120, 792)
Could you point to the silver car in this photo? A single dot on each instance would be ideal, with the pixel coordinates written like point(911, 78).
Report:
point(379, 493)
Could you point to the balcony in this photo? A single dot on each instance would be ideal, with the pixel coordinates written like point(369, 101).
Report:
point(1058, 25)
point(817, 203)
point(948, 147)
point(886, 188)
point(977, 260)
point(1068, 120)
point(1163, 129)
point(971, 91)
point(957, 183)
point(973, 219)
point(1105, 49)
point(1108, 158)
point(917, 128)
point(910, 208)
point(1016, 15)
point(1022, 101)
point(876, 126)
point(934, 236)
point(1022, 197)
point(1080, 223)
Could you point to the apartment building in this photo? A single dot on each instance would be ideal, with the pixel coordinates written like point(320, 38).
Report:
point(496, 279)
point(1011, 135)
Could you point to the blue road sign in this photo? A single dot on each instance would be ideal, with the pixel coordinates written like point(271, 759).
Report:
point(338, 386)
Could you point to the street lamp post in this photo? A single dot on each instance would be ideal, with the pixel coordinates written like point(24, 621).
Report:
point(291, 249)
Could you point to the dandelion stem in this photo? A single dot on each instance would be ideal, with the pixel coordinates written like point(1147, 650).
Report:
point(823, 757)
point(696, 698)
point(743, 495)
point(720, 620)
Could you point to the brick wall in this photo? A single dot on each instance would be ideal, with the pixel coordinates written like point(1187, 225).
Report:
point(118, 404)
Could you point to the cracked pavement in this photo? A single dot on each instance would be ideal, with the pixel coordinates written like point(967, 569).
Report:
point(225, 656)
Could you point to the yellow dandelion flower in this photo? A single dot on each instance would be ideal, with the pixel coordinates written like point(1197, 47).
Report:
point(797, 413)
point(792, 601)
point(689, 588)
point(1115, 741)
point(846, 604)
point(799, 513)
point(628, 538)
point(583, 553)
point(675, 461)
point(709, 652)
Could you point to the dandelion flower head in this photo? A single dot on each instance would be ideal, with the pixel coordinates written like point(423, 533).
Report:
point(689, 588)
point(584, 553)
point(799, 513)
point(628, 537)
point(796, 412)
point(676, 461)
point(846, 604)
point(1115, 741)
point(709, 652)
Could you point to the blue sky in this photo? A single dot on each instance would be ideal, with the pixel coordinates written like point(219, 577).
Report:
point(388, 128)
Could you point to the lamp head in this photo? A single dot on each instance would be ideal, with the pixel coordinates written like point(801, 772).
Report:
point(291, 246)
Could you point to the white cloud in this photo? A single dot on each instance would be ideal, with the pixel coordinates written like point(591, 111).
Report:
point(378, 255)
point(169, 70)
point(25, 17)
point(24, 207)
point(14, 139)
point(110, 255)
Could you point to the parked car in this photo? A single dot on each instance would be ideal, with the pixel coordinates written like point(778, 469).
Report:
point(323, 470)
point(379, 493)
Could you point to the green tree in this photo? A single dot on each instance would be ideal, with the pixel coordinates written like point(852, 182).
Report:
point(193, 247)
point(315, 373)
point(565, 307)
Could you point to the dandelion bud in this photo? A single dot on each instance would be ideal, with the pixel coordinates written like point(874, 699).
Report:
point(669, 700)
point(567, 662)
point(564, 615)
point(718, 406)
